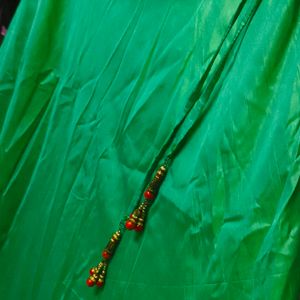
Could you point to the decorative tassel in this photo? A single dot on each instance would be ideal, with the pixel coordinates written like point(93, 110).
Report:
point(112, 245)
point(135, 221)
point(97, 274)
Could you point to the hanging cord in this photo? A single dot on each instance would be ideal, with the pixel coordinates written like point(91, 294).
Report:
point(136, 220)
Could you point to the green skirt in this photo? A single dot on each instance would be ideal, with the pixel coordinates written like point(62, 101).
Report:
point(95, 94)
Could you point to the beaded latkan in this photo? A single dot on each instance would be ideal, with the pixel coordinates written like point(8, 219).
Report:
point(135, 221)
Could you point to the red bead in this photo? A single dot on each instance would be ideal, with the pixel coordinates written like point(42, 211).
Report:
point(129, 225)
point(149, 195)
point(106, 255)
point(90, 282)
point(139, 228)
point(99, 283)
point(92, 271)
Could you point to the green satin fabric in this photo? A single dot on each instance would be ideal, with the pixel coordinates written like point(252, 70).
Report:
point(91, 93)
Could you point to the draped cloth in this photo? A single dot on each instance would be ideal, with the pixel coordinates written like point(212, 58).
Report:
point(91, 94)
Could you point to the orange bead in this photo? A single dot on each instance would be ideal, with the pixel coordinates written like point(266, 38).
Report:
point(92, 271)
point(106, 255)
point(100, 283)
point(139, 228)
point(149, 195)
point(129, 225)
point(90, 282)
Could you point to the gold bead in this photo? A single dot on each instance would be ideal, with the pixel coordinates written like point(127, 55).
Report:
point(94, 277)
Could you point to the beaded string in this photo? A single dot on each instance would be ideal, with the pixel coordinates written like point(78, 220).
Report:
point(135, 221)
